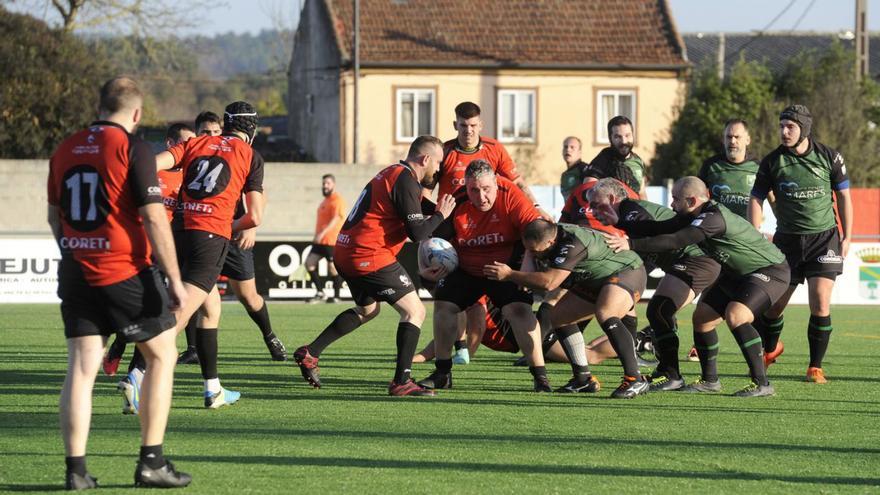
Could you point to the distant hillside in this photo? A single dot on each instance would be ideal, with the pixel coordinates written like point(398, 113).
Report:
point(227, 55)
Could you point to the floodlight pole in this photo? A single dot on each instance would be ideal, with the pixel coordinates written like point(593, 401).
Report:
point(357, 75)
point(861, 39)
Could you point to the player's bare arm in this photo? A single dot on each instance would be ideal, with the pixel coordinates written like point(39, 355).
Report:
point(545, 280)
point(53, 216)
point(165, 161)
point(845, 210)
point(756, 211)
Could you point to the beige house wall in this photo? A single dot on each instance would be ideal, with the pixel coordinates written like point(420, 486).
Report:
point(566, 105)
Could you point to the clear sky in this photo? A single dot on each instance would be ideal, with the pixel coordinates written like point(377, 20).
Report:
point(690, 15)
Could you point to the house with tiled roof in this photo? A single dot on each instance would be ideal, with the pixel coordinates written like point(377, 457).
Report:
point(540, 70)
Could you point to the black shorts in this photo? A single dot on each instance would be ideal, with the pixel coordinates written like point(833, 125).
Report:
point(387, 284)
point(464, 290)
point(239, 264)
point(201, 256)
point(811, 255)
point(323, 251)
point(136, 308)
point(698, 272)
point(632, 280)
point(757, 290)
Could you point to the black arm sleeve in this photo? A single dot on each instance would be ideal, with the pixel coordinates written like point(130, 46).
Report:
point(406, 195)
point(254, 180)
point(142, 177)
point(668, 242)
point(763, 182)
point(643, 228)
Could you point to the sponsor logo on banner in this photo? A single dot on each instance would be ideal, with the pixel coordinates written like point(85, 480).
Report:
point(28, 270)
point(869, 273)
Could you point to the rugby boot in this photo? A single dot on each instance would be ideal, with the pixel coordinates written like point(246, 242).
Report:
point(409, 389)
point(631, 387)
point(73, 481)
point(436, 381)
point(189, 356)
point(163, 477)
point(308, 366)
point(222, 398)
point(816, 375)
point(702, 387)
point(110, 363)
point(755, 390)
point(276, 348)
point(461, 356)
point(542, 384)
point(770, 357)
point(575, 386)
point(665, 383)
point(131, 394)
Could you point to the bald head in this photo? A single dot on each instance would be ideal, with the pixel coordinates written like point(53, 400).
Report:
point(689, 194)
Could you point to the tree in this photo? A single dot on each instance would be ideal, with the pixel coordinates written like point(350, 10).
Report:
point(696, 133)
point(49, 86)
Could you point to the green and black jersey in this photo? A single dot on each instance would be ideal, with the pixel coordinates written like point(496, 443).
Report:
point(730, 183)
point(608, 160)
point(803, 185)
point(637, 210)
point(572, 177)
point(728, 238)
point(585, 254)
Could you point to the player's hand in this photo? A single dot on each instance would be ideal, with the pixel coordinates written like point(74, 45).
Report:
point(434, 274)
point(497, 271)
point(445, 205)
point(844, 247)
point(176, 294)
point(247, 238)
point(616, 242)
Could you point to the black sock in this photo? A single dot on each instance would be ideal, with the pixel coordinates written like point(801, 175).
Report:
point(770, 331)
point(819, 334)
point(261, 318)
point(337, 285)
point(582, 325)
point(151, 455)
point(632, 326)
point(707, 349)
point(459, 345)
point(622, 342)
point(661, 314)
point(317, 280)
point(191, 330)
point(407, 340)
point(750, 343)
point(345, 323)
point(537, 371)
point(444, 365)
point(137, 361)
point(117, 348)
point(76, 465)
point(207, 351)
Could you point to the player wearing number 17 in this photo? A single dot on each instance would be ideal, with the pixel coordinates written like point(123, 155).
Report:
point(217, 170)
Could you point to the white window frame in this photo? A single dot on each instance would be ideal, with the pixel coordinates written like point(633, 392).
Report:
point(398, 114)
point(499, 95)
point(602, 122)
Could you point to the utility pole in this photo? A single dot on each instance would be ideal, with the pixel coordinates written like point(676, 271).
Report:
point(861, 39)
point(357, 74)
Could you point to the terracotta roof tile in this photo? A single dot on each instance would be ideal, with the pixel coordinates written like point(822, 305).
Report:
point(511, 32)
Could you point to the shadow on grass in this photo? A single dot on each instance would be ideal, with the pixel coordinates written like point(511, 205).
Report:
point(48, 488)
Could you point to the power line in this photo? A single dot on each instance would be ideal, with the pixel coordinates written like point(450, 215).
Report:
point(761, 32)
point(801, 18)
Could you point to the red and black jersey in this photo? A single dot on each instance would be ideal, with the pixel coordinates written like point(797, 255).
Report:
point(577, 209)
point(387, 211)
point(456, 160)
point(481, 237)
point(98, 178)
point(169, 182)
point(217, 170)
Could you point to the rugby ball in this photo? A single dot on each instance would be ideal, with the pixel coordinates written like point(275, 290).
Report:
point(437, 252)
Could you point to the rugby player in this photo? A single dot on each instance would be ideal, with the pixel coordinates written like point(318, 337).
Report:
point(573, 175)
point(106, 214)
point(620, 155)
point(485, 227)
point(217, 170)
point(331, 215)
point(599, 282)
point(803, 173)
point(688, 271)
point(387, 211)
point(753, 277)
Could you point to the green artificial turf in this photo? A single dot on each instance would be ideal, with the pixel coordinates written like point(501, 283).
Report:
point(489, 434)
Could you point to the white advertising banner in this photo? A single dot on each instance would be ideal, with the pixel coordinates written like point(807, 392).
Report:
point(28, 270)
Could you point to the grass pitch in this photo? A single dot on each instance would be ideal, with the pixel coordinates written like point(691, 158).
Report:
point(489, 434)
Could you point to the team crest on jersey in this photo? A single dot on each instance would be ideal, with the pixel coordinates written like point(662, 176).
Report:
point(560, 260)
point(405, 281)
point(494, 218)
point(719, 190)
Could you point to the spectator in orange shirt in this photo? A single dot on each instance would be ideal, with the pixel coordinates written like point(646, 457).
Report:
point(331, 214)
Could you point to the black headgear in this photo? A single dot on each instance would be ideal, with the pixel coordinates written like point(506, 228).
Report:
point(801, 116)
point(241, 116)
